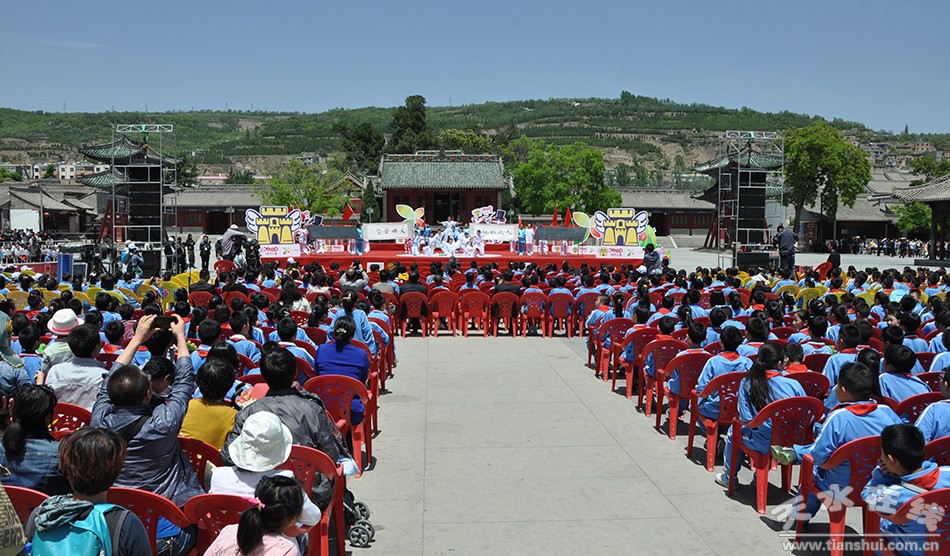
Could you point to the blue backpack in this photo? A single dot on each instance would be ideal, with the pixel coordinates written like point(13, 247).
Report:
point(85, 537)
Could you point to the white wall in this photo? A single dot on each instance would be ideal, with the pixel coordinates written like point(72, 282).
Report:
point(23, 219)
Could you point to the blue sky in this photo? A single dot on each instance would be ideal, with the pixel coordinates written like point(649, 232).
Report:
point(880, 63)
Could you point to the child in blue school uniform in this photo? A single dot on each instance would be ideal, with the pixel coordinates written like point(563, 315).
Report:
point(902, 474)
point(209, 332)
point(897, 382)
point(762, 385)
point(856, 416)
point(728, 361)
point(817, 327)
point(757, 333)
point(32, 361)
point(641, 314)
point(934, 420)
point(695, 337)
point(240, 328)
point(665, 328)
point(894, 336)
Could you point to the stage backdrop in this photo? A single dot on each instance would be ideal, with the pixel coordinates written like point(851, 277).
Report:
point(276, 230)
point(495, 232)
point(387, 230)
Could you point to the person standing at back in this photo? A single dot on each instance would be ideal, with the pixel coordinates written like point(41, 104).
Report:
point(785, 241)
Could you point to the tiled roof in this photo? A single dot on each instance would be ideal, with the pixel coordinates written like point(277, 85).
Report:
point(755, 160)
point(663, 200)
point(102, 180)
point(864, 210)
point(124, 150)
point(43, 200)
point(886, 182)
point(219, 197)
point(936, 190)
point(442, 171)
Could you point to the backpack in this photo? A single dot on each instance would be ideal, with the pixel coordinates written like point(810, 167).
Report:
point(85, 537)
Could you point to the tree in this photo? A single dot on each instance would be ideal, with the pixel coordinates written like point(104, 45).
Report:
point(50, 172)
point(566, 176)
point(821, 165)
point(370, 201)
point(912, 217)
point(305, 187)
point(363, 145)
point(930, 168)
point(410, 132)
point(465, 140)
point(7, 175)
point(622, 175)
point(186, 172)
point(240, 177)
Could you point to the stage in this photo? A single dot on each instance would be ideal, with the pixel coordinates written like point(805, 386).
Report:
point(384, 254)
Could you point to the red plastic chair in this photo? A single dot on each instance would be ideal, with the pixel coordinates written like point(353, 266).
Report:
point(561, 305)
point(862, 455)
point(148, 506)
point(714, 348)
point(929, 505)
point(270, 295)
point(228, 297)
point(816, 361)
point(932, 379)
point(581, 309)
point(689, 366)
point(245, 365)
point(371, 410)
point(317, 335)
point(443, 305)
point(390, 358)
point(306, 346)
point(939, 450)
point(639, 338)
point(69, 417)
point(306, 463)
point(411, 307)
point(300, 317)
point(303, 368)
point(202, 299)
point(212, 512)
point(200, 453)
point(337, 393)
point(911, 408)
point(663, 352)
point(728, 387)
point(505, 306)
point(24, 500)
point(614, 329)
point(535, 311)
point(224, 265)
point(474, 306)
point(792, 420)
point(816, 385)
point(783, 332)
point(926, 359)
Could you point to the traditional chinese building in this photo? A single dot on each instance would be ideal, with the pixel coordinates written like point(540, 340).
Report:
point(446, 183)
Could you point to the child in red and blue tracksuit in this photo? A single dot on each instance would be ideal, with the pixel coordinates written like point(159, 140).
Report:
point(726, 362)
point(768, 370)
point(901, 475)
point(856, 416)
point(896, 381)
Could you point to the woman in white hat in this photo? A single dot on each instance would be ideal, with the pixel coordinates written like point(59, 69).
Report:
point(264, 443)
point(57, 351)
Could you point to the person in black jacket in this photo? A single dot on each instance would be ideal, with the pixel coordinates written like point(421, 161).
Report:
point(785, 240)
point(834, 257)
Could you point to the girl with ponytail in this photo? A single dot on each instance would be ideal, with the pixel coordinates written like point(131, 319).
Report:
point(363, 332)
point(617, 304)
point(762, 385)
point(278, 503)
point(343, 358)
point(28, 450)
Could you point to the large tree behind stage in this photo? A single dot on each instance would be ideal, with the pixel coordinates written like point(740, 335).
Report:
point(821, 166)
point(566, 176)
point(305, 187)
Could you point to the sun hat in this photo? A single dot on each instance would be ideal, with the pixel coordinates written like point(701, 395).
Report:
point(264, 443)
point(132, 247)
point(63, 321)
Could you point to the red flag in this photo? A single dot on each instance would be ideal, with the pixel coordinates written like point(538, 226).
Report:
point(347, 212)
point(567, 217)
point(554, 218)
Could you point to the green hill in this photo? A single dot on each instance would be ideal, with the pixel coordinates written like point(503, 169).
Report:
point(650, 129)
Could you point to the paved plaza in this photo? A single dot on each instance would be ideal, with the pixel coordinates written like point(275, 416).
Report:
point(510, 446)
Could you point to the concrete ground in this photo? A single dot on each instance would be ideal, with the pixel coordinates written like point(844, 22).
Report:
point(511, 446)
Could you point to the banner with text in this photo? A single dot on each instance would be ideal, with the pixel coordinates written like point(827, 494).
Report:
point(495, 232)
point(387, 230)
point(280, 250)
point(600, 251)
